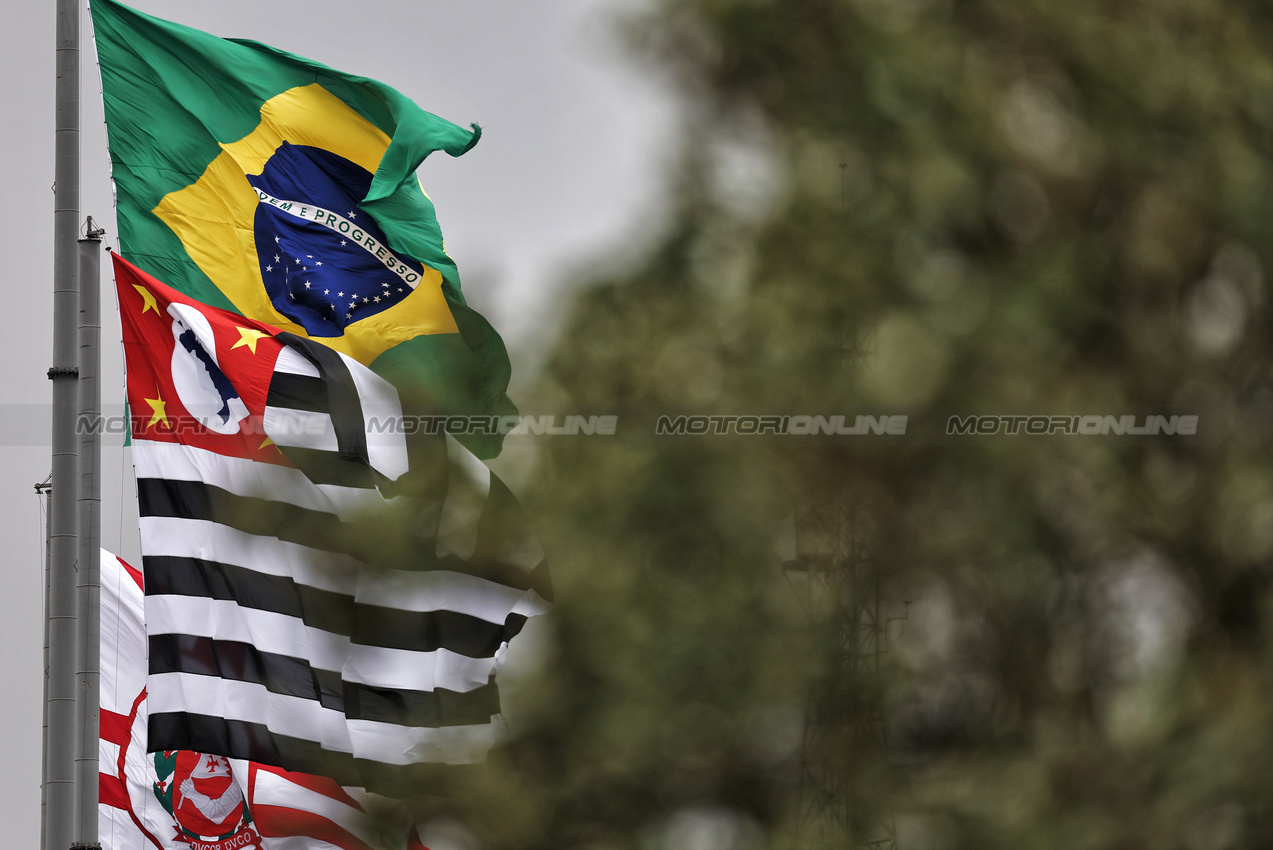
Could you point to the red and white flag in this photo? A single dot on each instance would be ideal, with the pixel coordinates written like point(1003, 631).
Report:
point(185, 800)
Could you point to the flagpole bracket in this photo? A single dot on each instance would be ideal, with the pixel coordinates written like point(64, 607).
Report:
point(56, 372)
point(92, 231)
point(86, 847)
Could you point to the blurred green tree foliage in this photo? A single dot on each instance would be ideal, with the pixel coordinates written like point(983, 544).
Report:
point(925, 207)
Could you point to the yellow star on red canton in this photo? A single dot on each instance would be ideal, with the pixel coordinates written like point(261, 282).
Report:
point(148, 300)
point(158, 414)
point(248, 337)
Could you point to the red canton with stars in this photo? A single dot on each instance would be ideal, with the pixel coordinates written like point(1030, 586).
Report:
point(197, 375)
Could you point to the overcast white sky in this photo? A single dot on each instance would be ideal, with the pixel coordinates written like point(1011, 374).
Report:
point(568, 174)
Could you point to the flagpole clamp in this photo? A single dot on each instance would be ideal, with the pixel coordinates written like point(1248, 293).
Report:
point(62, 372)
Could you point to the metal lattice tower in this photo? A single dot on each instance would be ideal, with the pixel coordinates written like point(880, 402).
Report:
point(836, 570)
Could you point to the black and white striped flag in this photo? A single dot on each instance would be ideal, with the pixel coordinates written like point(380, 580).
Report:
point(317, 597)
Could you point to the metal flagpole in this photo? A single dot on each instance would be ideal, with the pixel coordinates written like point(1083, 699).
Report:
point(42, 490)
point(89, 504)
point(59, 753)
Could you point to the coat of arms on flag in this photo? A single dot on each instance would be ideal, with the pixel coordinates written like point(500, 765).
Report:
point(199, 791)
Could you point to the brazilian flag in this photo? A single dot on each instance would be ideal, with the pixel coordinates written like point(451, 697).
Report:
point(262, 182)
